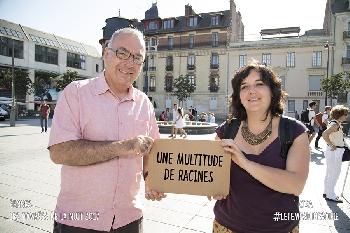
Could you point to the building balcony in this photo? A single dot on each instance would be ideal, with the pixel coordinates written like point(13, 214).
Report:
point(152, 68)
point(345, 60)
point(191, 67)
point(315, 93)
point(186, 46)
point(214, 66)
point(153, 89)
point(169, 68)
point(168, 88)
point(346, 34)
point(213, 88)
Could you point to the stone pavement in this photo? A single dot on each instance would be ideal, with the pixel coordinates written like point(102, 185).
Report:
point(29, 184)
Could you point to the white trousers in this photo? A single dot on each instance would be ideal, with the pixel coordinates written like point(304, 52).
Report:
point(333, 162)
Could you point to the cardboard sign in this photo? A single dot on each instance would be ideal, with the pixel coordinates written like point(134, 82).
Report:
point(198, 167)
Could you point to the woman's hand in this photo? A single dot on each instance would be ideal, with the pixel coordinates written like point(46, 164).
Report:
point(236, 154)
point(153, 195)
point(216, 197)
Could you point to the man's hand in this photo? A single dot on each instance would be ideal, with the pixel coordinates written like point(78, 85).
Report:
point(153, 195)
point(141, 145)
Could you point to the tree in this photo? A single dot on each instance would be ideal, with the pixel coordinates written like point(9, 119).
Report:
point(43, 81)
point(336, 85)
point(183, 88)
point(67, 77)
point(23, 84)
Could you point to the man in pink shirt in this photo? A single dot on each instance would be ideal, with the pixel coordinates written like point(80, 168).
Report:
point(102, 128)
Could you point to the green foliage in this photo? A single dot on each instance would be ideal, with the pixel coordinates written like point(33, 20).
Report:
point(23, 84)
point(336, 85)
point(43, 81)
point(183, 88)
point(67, 77)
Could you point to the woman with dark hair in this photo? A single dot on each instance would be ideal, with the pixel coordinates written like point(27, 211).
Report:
point(264, 185)
point(334, 138)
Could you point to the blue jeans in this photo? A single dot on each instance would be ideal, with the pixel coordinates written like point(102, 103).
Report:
point(42, 121)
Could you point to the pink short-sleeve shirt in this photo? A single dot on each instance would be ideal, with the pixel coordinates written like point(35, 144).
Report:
point(92, 195)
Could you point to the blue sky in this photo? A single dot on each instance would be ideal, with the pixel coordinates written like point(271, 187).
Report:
point(82, 20)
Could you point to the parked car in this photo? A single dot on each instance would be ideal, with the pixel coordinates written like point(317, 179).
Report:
point(3, 114)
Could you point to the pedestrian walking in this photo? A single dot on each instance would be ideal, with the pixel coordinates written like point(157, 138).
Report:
point(44, 110)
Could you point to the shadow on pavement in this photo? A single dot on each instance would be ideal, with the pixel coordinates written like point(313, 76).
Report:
point(342, 223)
point(317, 156)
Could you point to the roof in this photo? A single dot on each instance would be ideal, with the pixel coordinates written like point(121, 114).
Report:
point(203, 22)
point(8, 28)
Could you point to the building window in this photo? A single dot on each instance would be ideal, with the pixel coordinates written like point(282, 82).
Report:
point(242, 60)
point(76, 60)
point(191, 61)
point(291, 59)
point(291, 105)
point(315, 82)
point(152, 25)
point(170, 42)
point(192, 22)
point(152, 83)
point(305, 104)
point(215, 39)
point(283, 83)
point(191, 41)
point(168, 23)
point(46, 55)
point(169, 63)
point(213, 103)
point(169, 83)
point(97, 68)
point(215, 20)
point(348, 51)
point(6, 47)
point(151, 63)
point(192, 79)
point(266, 59)
point(214, 61)
point(213, 83)
point(317, 58)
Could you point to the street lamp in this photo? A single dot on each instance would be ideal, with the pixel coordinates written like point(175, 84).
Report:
point(13, 108)
point(327, 47)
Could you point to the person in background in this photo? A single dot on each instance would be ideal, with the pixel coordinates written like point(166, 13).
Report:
point(179, 124)
point(334, 138)
point(322, 121)
point(44, 109)
point(296, 115)
point(212, 118)
point(175, 116)
point(313, 129)
point(162, 116)
point(262, 182)
point(102, 132)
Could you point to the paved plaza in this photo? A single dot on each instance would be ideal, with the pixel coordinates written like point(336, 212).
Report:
point(30, 182)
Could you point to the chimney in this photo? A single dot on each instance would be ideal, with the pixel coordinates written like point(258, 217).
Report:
point(188, 10)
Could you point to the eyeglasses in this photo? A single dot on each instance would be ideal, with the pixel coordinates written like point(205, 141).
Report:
point(124, 54)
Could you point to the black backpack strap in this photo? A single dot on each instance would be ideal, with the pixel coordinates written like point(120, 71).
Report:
point(286, 132)
point(231, 128)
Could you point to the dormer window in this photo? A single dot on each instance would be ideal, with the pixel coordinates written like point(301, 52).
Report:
point(168, 23)
point(152, 25)
point(192, 21)
point(215, 20)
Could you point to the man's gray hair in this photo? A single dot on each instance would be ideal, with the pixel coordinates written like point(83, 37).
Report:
point(132, 31)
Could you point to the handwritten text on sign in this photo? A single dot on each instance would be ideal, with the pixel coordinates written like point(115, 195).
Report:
point(198, 167)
